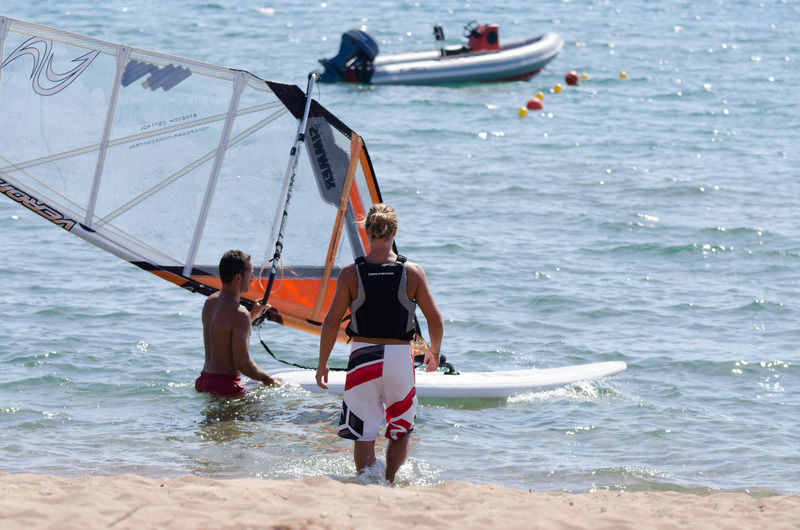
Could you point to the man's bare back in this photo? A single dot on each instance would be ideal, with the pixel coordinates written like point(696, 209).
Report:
point(223, 319)
point(226, 327)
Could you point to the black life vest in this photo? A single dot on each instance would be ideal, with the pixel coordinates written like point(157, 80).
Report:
point(382, 309)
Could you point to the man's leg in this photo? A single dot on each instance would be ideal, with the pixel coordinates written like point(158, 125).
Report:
point(364, 454)
point(396, 454)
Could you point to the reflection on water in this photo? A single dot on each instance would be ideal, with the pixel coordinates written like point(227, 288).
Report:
point(259, 433)
point(227, 419)
point(280, 433)
point(287, 432)
point(283, 409)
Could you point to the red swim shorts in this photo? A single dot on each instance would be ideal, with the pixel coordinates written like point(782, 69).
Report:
point(221, 384)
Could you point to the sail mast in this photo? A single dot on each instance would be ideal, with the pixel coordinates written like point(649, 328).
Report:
point(288, 186)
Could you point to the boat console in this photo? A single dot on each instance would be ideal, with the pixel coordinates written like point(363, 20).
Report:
point(482, 37)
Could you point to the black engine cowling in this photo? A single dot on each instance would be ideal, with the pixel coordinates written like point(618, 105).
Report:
point(357, 50)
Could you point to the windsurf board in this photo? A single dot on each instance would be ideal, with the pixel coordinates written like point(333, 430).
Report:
point(498, 384)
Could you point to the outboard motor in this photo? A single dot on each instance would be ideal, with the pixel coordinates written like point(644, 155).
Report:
point(356, 53)
point(438, 35)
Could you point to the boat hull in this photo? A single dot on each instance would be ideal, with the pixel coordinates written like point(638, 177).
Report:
point(518, 60)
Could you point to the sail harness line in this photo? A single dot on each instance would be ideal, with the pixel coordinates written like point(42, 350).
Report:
point(239, 84)
point(288, 187)
point(418, 360)
point(123, 54)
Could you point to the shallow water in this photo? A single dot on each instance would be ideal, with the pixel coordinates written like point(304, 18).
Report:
point(650, 219)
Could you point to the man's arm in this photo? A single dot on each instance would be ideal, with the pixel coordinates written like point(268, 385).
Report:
point(432, 314)
point(240, 339)
point(330, 325)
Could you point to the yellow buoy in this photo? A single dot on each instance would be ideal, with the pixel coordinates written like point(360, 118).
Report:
point(522, 112)
point(557, 88)
point(623, 75)
point(584, 75)
point(540, 96)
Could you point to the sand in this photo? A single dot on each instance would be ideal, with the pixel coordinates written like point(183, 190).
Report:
point(33, 501)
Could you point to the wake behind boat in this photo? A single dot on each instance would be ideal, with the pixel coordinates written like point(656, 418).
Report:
point(482, 59)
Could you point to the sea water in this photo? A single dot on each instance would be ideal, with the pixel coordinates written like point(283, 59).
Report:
point(650, 218)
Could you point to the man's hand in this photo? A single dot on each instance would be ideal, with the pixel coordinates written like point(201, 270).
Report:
point(272, 381)
point(432, 360)
point(322, 376)
point(258, 310)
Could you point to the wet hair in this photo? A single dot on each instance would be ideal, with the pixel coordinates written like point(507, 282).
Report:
point(232, 263)
point(381, 221)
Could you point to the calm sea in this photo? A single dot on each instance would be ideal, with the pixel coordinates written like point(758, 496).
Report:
point(651, 219)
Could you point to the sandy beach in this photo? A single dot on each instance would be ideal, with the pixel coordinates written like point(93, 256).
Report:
point(128, 501)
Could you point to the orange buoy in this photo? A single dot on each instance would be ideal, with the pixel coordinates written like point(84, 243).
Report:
point(535, 104)
point(571, 78)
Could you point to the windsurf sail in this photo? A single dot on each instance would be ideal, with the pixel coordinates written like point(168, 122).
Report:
point(168, 162)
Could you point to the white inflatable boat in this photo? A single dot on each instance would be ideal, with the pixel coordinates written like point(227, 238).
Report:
point(482, 59)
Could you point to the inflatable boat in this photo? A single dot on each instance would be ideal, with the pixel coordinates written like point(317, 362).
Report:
point(482, 59)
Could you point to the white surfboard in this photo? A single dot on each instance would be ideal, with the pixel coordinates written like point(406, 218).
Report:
point(500, 384)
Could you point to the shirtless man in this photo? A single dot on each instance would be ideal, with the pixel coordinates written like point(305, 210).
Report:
point(226, 331)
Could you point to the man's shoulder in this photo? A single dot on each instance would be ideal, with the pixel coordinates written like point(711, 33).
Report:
point(210, 298)
point(414, 268)
point(242, 310)
point(236, 317)
point(348, 270)
point(210, 302)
